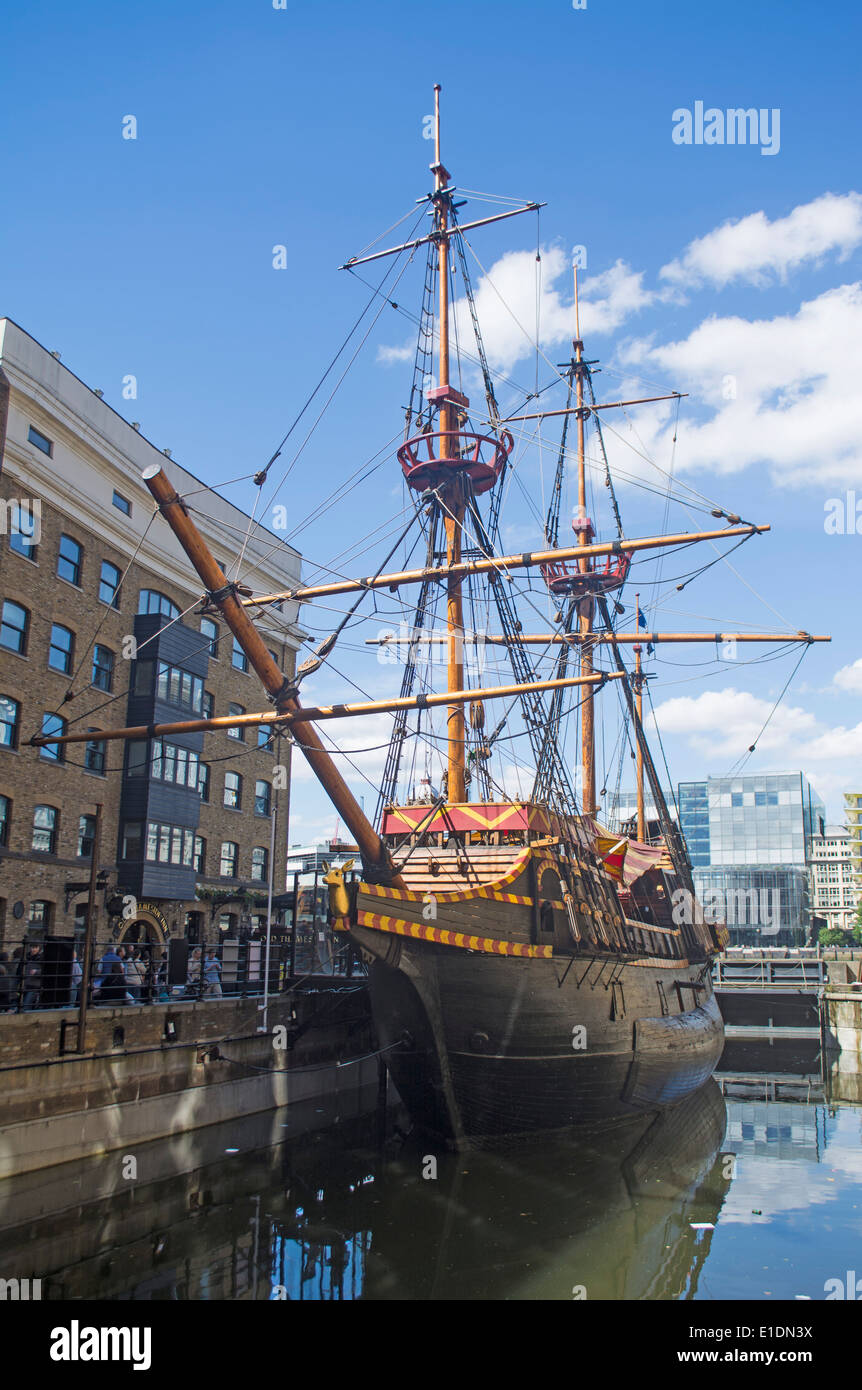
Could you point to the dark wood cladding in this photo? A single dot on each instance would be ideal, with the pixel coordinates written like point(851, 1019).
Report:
point(567, 1029)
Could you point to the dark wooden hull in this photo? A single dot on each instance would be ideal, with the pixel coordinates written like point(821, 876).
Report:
point(506, 1011)
point(483, 1047)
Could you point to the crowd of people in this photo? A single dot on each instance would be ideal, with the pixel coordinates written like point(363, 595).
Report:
point(125, 974)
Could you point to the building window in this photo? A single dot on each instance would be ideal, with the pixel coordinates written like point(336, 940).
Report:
point(39, 916)
point(208, 705)
point(151, 601)
point(13, 628)
point(237, 731)
point(41, 441)
point(44, 830)
point(173, 763)
point(169, 844)
point(178, 687)
point(259, 864)
point(199, 856)
point(238, 659)
point(122, 503)
point(209, 630)
point(164, 762)
point(109, 583)
point(5, 818)
point(204, 781)
point(69, 561)
point(262, 797)
point(94, 754)
point(53, 752)
point(138, 758)
point(264, 735)
point(233, 790)
point(10, 711)
point(86, 836)
point(22, 542)
point(133, 840)
point(60, 649)
point(229, 859)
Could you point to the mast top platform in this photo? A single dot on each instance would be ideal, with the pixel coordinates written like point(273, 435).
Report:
point(428, 460)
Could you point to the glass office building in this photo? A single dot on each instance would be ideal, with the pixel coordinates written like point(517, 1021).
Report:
point(751, 835)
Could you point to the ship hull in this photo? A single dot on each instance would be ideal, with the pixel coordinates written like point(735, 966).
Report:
point(482, 1047)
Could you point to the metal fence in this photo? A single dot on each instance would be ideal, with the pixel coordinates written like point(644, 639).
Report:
point(47, 973)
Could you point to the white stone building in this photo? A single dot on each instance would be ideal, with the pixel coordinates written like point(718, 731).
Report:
point(834, 889)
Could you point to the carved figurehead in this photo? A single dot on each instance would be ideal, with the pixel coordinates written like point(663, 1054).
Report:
point(339, 902)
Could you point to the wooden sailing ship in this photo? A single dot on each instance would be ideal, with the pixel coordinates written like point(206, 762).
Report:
point(528, 969)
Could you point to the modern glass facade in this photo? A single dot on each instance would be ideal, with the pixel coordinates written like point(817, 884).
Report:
point(752, 835)
point(766, 905)
point(766, 818)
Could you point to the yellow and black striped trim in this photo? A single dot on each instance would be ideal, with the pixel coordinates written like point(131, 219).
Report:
point(421, 931)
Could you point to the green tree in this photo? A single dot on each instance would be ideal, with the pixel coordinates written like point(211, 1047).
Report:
point(832, 936)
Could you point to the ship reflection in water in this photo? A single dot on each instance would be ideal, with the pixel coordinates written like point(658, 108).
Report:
point(751, 1188)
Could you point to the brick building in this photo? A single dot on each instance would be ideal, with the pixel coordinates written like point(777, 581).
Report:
point(100, 628)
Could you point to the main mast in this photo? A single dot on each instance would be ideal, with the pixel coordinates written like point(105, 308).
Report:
point(452, 493)
point(584, 529)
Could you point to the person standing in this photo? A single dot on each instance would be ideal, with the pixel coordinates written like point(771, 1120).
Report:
point(134, 975)
point(113, 986)
point(212, 976)
point(106, 965)
point(77, 976)
point(33, 978)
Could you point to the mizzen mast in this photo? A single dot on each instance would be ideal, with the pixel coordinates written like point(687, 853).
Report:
point(639, 705)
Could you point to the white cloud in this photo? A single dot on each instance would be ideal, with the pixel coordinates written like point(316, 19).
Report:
point(783, 392)
point(850, 678)
point(778, 392)
point(351, 737)
point(722, 724)
point(726, 722)
point(756, 251)
point(506, 306)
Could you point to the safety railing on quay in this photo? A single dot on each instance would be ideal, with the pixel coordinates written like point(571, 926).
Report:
point(47, 972)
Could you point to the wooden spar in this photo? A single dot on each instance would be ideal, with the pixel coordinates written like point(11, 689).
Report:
point(639, 703)
point(457, 230)
point(626, 638)
point(500, 563)
point(581, 411)
point(301, 715)
point(453, 495)
point(179, 726)
point(374, 853)
point(585, 608)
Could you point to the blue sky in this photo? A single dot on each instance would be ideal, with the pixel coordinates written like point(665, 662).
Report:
point(303, 127)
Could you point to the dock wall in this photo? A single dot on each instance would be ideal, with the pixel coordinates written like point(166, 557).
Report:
point(154, 1071)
